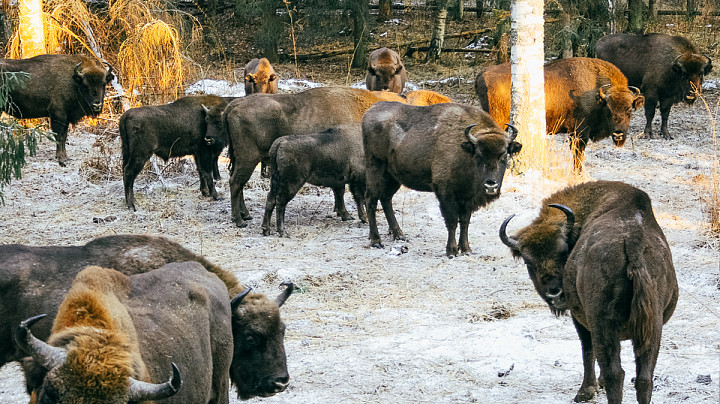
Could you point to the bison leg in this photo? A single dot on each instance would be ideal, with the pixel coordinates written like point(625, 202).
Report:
point(238, 178)
point(339, 193)
point(131, 169)
point(216, 168)
point(204, 163)
point(390, 216)
point(465, 215)
point(60, 127)
point(379, 183)
point(449, 210)
point(357, 190)
point(650, 105)
point(645, 367)
point(589, 386)
point(665, 106)
point(281, 193)
point(607, 343)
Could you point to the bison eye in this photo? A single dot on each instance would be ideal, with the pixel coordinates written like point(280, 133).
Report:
point(250, 340)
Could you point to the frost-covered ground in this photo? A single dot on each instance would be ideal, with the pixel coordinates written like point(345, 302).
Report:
point(371, 325)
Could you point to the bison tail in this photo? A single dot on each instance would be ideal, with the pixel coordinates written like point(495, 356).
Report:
point(645, 318)
point(124, 140)
point(231, 153)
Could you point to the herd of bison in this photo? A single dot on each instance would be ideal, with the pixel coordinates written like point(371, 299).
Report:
point(107, 322)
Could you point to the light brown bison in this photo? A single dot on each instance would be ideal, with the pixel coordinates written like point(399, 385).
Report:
point(115, 336)
point(456, 151)
point(253, 123)
point(260, 77)
point(188, 126)
point(386, 71)
point(425, 97)
point(597, 251)
point(587, 98)
point(36, 279)
point(668, 70)
point(64, 88)
point(331, 158)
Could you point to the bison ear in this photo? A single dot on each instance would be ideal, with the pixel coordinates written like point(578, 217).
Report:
point(250, 78)
point(109, 77)
point(638, 102)
point(708, 66)
point(399, 69)
point(468, 147)
point(371, 71)
point(272, 77)
point(514, 148)
point(573, 96)
point(600, 99)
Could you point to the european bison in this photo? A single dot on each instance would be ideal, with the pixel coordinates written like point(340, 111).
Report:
point(432, 149)
point(64, 88)
point(425, 97)
point(260, 77)
point(597, 251)
point(115, 335)
point(253, 123)
point(386, 71)
point(36, 279)
point(587, 98)
point(188, 126)
point(668, 70)
point(331, 158)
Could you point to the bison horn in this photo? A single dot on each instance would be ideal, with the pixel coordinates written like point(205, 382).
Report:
point(77, 69)
point(568, 214)
point(676, 62)
point(206, 109)
point(508, 241)
point(282, 297)
point(144, 391)
point(238, 299)
point(600, 91)
point(468, 136)
point(47, 355)
point(514, 130)
point(109, 66)
point(634, 90)
point(709, 60)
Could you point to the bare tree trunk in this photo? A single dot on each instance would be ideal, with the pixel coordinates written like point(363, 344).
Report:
point(458, 10)
point(360, 12)
point(567, 46)
point(527, 110)
point(635, 16)
point(31, 30)
point(384, 9)
point(480, 7)
point(691, 9)
point(611, 12)
point(438, 35)
point(651, 9)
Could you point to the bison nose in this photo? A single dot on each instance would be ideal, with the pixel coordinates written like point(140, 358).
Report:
point(618, 138)
point(491, 187)
point(209, 141)
point(276, 385)
point(97, 106)
point(554, 293)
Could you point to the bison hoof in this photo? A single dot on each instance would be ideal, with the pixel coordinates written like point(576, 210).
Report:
point(246, 216)
point(63, 162)
point(266, 231)
point(585, 395)
point(378, 245)
point(346, 218)
point(216, 197)
point(241, 223)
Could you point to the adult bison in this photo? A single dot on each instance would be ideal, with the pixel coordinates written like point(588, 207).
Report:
point(260, 77)
point(116, 336)
point(386, 71)
point(668, 70)
point(254, 122)
point(36, 279)
point(587, 98)
point(188, 126)
point(331, 158)
point(64, 88)
point(456, 151)
point(597, 251)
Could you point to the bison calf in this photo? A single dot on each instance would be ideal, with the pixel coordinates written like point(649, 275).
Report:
point(668, 70)
point(597, 251)
point(260, 77)
point(432, 149)
point(189, 126)
point(386, 71)
point(64, 88)
point(331, 158)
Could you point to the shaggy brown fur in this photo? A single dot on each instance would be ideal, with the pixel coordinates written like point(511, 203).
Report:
point(612, 270)
point(260, 77)
point(386, 71)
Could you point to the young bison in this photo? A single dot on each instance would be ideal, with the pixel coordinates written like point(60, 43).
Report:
point(597, 251)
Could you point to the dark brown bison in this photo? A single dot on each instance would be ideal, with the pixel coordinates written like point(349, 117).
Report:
point(64, 88)
point(432, 149)
point(254, 122)
point(36, 279)
point(587, 98)
point(668, 70)
point(188, 126)
point(386, 71)
point(260, 77)
point(597, 251)
point(331, 158)
point(116, 337)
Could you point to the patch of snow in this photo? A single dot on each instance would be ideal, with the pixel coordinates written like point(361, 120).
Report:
point(222, 88)
point(296, 85)
point(710, 85)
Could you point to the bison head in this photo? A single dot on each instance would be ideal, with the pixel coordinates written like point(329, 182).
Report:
point(545, 246)
point(215, 136)
point(264, 80)
point(92, 367)
point(91, 80)
point(385, 71)
point(691, 69)
point(259, 366)
point(491, 152)
point(607, 111)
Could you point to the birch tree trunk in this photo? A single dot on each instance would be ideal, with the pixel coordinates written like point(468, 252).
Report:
point(31, 31)
point(527, 100)
point(438, 35)
point(360, 10)
point(384, 10)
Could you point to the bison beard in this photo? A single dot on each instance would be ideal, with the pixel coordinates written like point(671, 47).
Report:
point(596, 250)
